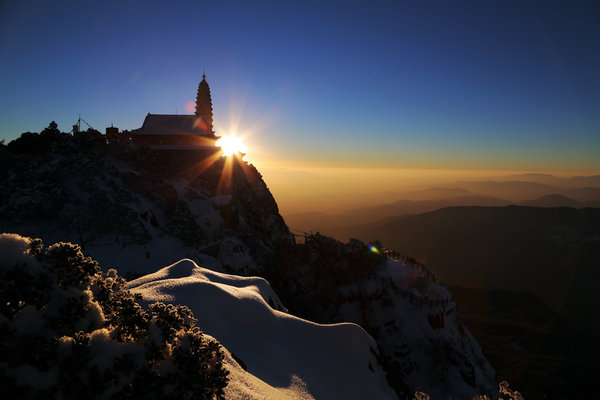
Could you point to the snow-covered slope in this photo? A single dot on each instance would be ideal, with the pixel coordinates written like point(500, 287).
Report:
point(125, 207)
point(422, 342)
point(420, 332)
point(285, 356)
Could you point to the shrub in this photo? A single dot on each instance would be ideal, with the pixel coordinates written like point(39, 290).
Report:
point(68, 330)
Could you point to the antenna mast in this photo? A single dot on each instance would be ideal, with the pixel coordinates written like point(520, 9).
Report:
point(77, 126)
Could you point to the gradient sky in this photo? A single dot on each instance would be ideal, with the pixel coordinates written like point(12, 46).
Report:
point(493, 85)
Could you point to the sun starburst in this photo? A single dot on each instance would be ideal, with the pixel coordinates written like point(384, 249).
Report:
point(231, 144)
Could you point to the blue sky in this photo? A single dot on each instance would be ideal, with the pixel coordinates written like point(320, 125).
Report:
point(463, 84)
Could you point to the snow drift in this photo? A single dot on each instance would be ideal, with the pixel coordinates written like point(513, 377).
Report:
point(283, 354)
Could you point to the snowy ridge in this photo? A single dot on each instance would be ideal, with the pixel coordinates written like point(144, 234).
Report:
point(187, 271)
point(292, 355)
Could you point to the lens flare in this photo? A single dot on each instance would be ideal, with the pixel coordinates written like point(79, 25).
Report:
point(200, 124)
point(374, 249)
point(190, 106)
point(231, 144)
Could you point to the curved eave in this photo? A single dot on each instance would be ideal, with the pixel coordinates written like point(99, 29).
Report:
point(182, 147)
point(139, 132)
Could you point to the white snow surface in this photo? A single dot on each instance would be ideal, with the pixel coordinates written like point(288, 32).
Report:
point(286, 357)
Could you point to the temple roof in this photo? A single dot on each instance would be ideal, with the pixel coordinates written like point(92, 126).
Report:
point(173, 124)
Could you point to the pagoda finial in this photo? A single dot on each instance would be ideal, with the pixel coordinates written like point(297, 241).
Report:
point(203, 74)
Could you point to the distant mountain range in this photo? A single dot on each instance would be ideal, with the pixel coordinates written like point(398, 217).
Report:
point(553, 200)
point(574, 181)
point(467, 193)
point(337, 224)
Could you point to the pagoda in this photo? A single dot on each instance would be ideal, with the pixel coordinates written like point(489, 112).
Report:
point(181, 131)
point(204, 104)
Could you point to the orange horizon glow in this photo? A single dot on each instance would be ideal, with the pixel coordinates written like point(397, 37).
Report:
point(306, 173)
point(337, 189)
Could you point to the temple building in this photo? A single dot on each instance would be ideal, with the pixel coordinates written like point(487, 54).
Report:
point(181, 132)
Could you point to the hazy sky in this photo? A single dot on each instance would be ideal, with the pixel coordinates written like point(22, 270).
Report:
point(493, 85)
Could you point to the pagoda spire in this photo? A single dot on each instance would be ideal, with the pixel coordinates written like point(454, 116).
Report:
point(204, 103)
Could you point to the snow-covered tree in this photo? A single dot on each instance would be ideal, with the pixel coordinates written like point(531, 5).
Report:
point(68, 330)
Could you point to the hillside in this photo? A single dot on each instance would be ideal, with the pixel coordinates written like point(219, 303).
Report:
point(530, 345)
point(138, 210)
point(551, 252)
point(121, 202)
point(525, 280)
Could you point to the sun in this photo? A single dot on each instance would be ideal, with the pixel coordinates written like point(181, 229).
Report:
point(231, 144)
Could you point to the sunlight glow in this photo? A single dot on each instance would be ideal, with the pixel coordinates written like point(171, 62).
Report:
point(231, 144)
